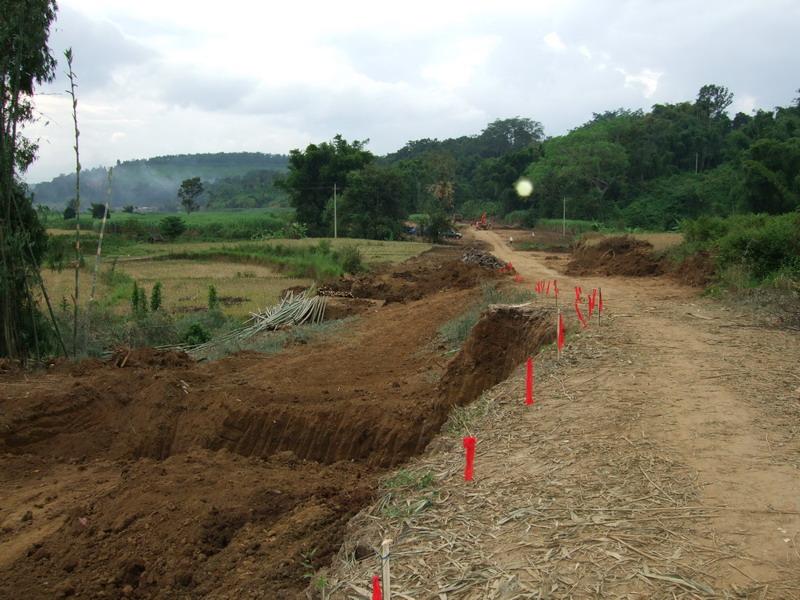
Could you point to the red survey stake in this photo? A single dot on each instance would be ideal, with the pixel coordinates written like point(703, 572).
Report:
point(529, 381)
point(469, 468)
point(377, 594)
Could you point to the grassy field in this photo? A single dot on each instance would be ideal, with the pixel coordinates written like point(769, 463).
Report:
point(372, 251)
point(241, 285)
point(195, 219)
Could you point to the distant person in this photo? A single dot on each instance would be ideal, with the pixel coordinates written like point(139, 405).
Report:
point(510, 241)
point(533, 234)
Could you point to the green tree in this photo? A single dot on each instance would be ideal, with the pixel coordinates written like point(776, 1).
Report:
point(156, 297)
point(213, 298)
point(189, 192)
point(713, 100)
point(70, 211)
point(171, 227)
point(372, 206)
point(98, 210)
point(25, 61)
point(129, 208)
point(313, 173)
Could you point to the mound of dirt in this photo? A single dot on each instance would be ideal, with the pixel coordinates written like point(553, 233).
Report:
point(618, 255)
point(417, 278)
point(502, 339)
point(343, 307)
point(192, 526)
point(695, 270)
point(150, 357)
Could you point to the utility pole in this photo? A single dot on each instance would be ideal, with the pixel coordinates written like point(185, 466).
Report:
point(335, 224)
point(564, 219)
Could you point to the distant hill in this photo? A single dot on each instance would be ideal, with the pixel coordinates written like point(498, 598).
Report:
point(154, 182)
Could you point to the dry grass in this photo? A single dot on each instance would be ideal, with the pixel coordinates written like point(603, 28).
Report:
point(241, 288)
point(61, 284)
point(570, 500)
point(373, 251)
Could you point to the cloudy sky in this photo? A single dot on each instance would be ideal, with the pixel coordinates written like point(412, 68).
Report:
point(175, 76)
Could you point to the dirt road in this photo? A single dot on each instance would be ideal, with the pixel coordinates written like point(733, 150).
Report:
point(661, 460)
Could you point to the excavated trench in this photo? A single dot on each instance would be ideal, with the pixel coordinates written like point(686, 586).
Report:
point(170, 412)
point(321, 423)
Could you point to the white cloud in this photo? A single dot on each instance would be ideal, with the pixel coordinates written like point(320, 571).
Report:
point(553, 41)
point(746, 104)
point(646, 80)
point(170, 77)
point(460, 62)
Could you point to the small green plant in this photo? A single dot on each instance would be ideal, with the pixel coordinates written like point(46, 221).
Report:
point(135, 294)
point(156, 297)
point(410, 480)
point(213, 298)
point(196, 334)
point(351, 259)
point(171, 227)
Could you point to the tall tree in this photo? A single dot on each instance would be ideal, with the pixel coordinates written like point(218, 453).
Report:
point(189, 192)
point(372, 206)
point(313, 173)
point(25, 61)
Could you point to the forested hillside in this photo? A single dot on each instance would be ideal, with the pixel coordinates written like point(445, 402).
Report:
point(154, 182)
point(677, 161)
point(623, 168)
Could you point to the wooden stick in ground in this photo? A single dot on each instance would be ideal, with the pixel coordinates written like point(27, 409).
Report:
point(100, 241)
point(387, 591)
point(600, 298)
point(71, 92)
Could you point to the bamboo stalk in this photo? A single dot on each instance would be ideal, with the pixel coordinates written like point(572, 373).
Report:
point(75, 298)
point(100, 241)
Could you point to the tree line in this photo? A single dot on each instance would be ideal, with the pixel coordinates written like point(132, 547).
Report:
point(626, 168)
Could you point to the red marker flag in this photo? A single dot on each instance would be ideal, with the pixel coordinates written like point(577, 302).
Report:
point(592, 301)
point(518, 278)
point(469, 446)
point(578, 292)
point(555, 285)
point(377, 594)
point(547, 289)
point(529, 382)
point(560, 339)
point(581, 318)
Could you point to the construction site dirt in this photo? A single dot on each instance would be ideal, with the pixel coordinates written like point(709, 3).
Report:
point(151, 476)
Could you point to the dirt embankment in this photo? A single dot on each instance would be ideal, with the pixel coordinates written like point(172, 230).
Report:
point(153, 477)
point(618, 255)
point(502, 339)
point(416, 279)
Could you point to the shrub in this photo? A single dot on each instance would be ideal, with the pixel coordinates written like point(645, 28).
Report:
point(155, 297)
point(213, 299)
point(196, 334)
point(171, 227)
point(351, 259)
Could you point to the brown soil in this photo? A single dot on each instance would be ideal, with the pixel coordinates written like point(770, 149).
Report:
point(502, 339)
point(169, 479)
point(696, 270)
point(618, 255)
point(417, 279)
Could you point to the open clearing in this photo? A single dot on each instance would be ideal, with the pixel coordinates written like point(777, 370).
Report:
point(661, 459)
point(242, 287)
